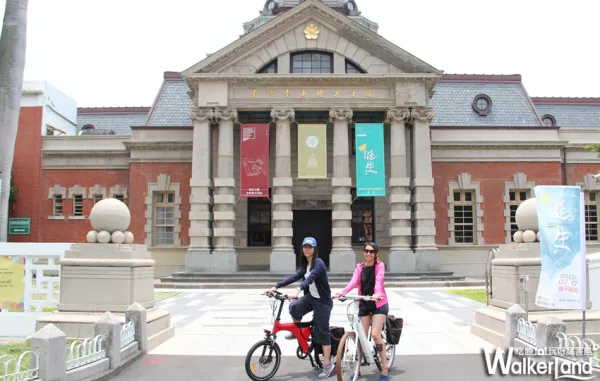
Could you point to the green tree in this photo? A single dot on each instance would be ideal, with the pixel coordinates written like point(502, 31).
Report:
point(12, 67)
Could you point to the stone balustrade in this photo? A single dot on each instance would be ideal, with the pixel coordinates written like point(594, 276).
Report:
point(54, 357)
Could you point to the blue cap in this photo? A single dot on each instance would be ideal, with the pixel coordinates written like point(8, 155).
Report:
point(310, 241)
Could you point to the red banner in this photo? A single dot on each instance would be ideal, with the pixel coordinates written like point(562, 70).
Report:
point(254, 160)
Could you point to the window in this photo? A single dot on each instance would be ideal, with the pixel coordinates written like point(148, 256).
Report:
point(259, 222)
point(270, 68)
point(311, 63)
point(97, 198)
point(77, 205)
point(363, 219)
point(352, 68)
point(163, 211)
point(120, 197)
point(515, 198)
point(591, 215)
point(548, 121)
point(118, 192)
point(57, 205)
point(464, 212)
point(464, 223)
point(482, 104)
point(164, 218)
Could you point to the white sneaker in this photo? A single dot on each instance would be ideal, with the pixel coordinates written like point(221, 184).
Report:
point(327, 370)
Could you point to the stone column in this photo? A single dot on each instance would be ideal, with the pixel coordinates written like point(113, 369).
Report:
point(342, 258)
point(422, 202)
point(198, 256)
point(283, 258)
point(401, 256)
point(224, 257)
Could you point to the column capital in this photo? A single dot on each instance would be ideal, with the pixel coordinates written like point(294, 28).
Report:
point(224, 114)
point(422, 114)
point(283, 115)
point(397, 115)
point(202, 114)
point(341, 114)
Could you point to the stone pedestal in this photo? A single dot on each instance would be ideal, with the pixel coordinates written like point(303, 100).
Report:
point(513, 261)
point(96, 278)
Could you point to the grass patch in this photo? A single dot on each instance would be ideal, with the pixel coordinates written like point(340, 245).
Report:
point(15, 350)
point(159, 296)
point(477, 295)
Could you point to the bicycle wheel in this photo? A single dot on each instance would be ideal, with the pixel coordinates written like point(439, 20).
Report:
point(269, 354)
point(347, 365)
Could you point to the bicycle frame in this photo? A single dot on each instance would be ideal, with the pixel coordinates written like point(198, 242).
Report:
point(359, 330)
point(302, 331)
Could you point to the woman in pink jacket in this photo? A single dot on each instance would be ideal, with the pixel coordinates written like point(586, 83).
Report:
point(368, 277)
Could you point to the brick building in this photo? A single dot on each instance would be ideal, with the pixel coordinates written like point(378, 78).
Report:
point(461, 153)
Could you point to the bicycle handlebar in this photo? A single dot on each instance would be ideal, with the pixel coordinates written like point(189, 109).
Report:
point(360, 297)
point(277, 295)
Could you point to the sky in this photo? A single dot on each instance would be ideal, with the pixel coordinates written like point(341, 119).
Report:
point(110, 53)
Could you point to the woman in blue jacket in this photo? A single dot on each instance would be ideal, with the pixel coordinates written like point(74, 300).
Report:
point(317, 298)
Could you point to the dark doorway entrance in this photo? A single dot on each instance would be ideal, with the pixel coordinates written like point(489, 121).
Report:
point(312, 223)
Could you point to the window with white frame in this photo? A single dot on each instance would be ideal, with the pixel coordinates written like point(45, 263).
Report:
point(591, 192)
point(97, 198)
point(77, 193)
point(97, 194)
point(515, 192)
point(57, 205)
point(119, 192)
point(163, 213)
point(164, 218)
point(515, 198)
point(77, 205)
point(57, 194)
point(464, 212)
point(591, 215)
point(464, 216)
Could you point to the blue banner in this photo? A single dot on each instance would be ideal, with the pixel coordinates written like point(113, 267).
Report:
point(561, 223)
point(370, 160)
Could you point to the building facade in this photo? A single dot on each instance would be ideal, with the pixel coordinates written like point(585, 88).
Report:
point(461, 152)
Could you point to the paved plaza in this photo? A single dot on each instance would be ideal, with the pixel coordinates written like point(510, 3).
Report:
point(228, 322)
point(215, 329)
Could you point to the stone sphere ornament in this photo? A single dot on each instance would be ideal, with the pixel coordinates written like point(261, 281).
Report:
point(518, 237)
point(92, 237)
point(128, 238)
point(117, 237)
point(529, 236)
point(539, 237)
point(110, 215)
point(526, 215)
point(104, 237)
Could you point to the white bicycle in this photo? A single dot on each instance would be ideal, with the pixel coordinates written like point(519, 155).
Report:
point(348, 355)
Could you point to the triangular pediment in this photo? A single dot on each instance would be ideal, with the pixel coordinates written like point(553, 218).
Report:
point(285, 33)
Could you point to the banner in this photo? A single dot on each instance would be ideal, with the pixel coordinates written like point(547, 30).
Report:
point(312, 151)
point(370, 160)
point(12, 288)
point(254, 160)
point(561, 223)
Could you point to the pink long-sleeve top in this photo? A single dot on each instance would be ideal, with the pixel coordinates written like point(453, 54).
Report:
point(379, 277)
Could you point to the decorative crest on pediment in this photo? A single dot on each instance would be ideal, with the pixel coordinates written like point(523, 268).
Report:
point(422, 114)
point(398, 115)
point(283, 115)
point(341, 114)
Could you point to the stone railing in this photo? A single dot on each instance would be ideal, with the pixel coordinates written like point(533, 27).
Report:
point(51, 358)
point(547, 341)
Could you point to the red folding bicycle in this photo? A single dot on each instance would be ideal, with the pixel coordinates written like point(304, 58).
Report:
point(269, 351)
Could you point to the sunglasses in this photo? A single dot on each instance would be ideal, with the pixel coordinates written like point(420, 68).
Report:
point(369, 251)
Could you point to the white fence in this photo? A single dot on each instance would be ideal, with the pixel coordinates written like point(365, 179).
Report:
point(42, 285)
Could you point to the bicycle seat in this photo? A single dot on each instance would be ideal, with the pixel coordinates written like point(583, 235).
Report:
point(305, 324)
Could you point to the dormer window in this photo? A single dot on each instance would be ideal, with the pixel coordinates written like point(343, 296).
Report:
point(548, 121)
point(482, 104)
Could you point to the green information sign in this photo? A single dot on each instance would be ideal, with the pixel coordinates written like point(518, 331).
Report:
point(19, 226)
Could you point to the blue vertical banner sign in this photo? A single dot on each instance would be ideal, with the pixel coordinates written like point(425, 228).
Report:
point(370, 160)
point(561, 223)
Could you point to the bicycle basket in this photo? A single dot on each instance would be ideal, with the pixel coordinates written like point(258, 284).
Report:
point(352, 311)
